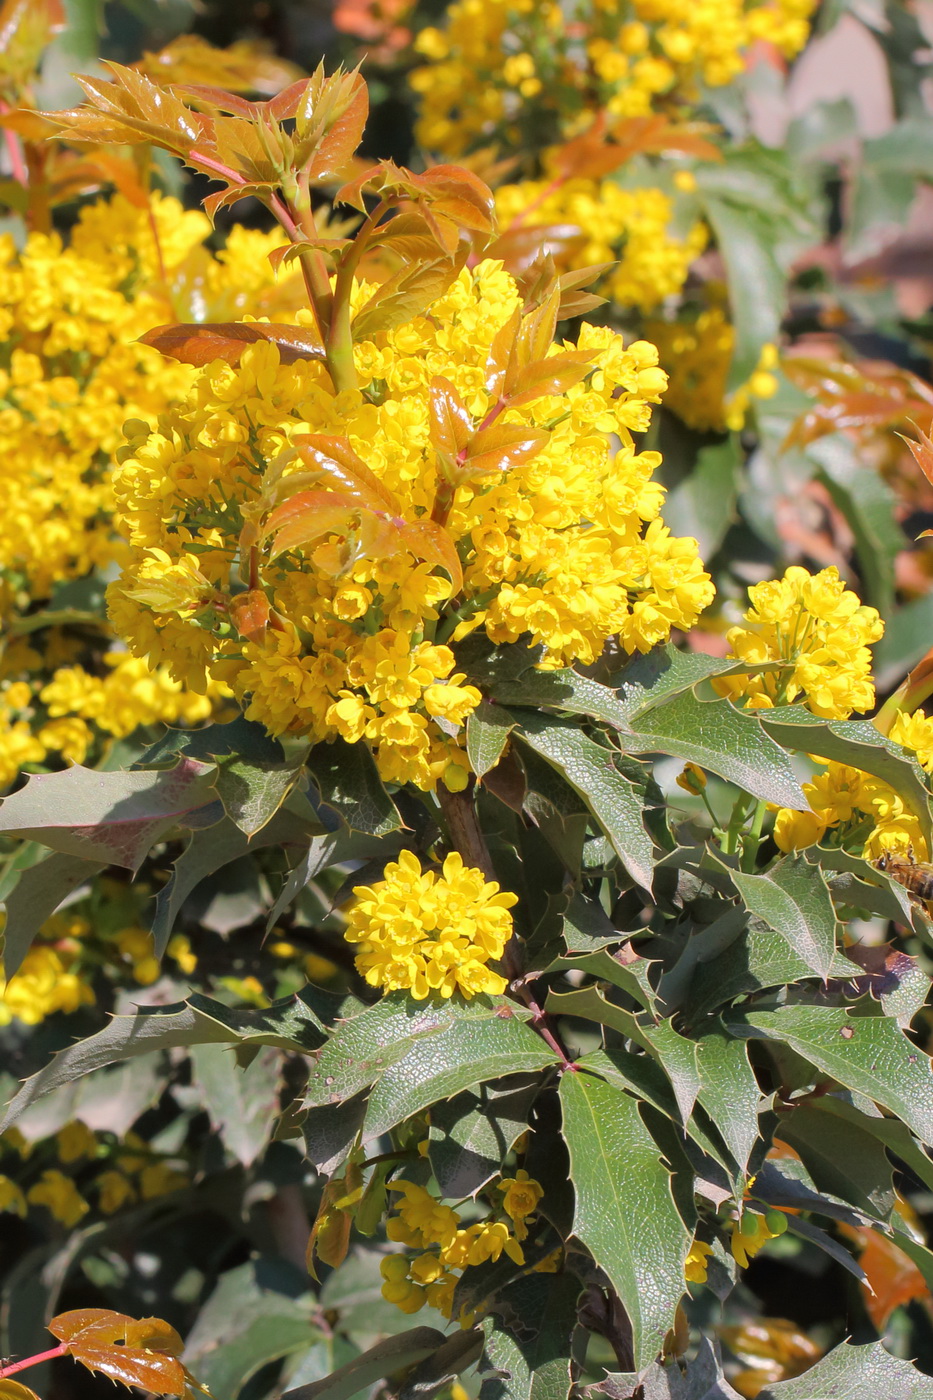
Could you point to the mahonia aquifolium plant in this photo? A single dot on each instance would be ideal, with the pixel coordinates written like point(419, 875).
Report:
point(587, 1060)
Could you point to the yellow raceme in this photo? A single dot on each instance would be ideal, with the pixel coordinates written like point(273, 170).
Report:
point(566, 550)
point(498, 64)
point(431, 934)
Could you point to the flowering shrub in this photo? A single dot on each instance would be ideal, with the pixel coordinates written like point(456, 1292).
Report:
point(430, 888)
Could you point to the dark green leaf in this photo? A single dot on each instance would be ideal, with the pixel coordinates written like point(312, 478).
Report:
point(245, 738)
point(349, 784)
point(717, 736)
point(252, 793)
point(757, 283)
point(855, 1373)
point(34, 898)
point(858, 743)
point(592, 772)
point(528, 1339)
point(701, 1379)
point(111, 818)
point(242, 1103)
point(469, 1051)
point(625, 1212)
point(487, 733)
point(793, 899)
point(703, 503)
point(329, 1132)
point(437, 1371)
point(472, 1133)
point(869, 1054)
point(868, 504)
point(390, 1355)
point(842, 1157)
point(894, 1135)
point(729, 1091)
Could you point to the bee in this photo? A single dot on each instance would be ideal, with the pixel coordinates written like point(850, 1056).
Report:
point(915, 875)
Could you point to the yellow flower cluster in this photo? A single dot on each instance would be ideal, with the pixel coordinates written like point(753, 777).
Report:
point(45, 983)
point(427, 1224)
point(136, 1175)
point(424, 933)
point(567, 549)
point(864, 814)
point(820, 631)
point(499, 65)
point(697, 353)
point(628, 227)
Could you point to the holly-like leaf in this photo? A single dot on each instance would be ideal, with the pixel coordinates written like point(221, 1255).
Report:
point(528, 1339)
point(242, 1104)
point(793, 899)
point(111, 818)
point(390, 1355)
point(502, 447)
point(12, 1390)
point(472, 1133)
point(252, 793)
point(140, 1352)
point(869, 1054)
point(852, 1373)
point(36, 895)
point(406, 294)
point(591, 770)
point(487, 733)
point(842, 1155)
point(625, 1213)
point(349, 783)
point(451, 423)
point(472, 1049)
point(246, 66)
point(293, 1023)
point(728, 1090)
point(717, 736)
point(200, 344)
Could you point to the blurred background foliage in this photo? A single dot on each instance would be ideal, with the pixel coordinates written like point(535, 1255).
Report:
point(771, 234)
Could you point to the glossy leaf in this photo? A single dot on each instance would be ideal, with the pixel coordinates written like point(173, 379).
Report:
point(242, 1104)
point(143, 1353)
point(624, 1212)
point(729, 1090)
point(842, 1156)
point(501, 448)
point(351, 789)
point(852, 1373)
point(868, 1054)
point(470, 1050)
point(111, 818)
point(528, 1339)
point(487, 734)
point(472, 1133)
point(252, 793)
point(387, 1356)
point(590, 769)
point(197, 344)
point(793, 899)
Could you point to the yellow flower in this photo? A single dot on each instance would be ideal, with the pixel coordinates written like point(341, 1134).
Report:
point(695, 1265)
point(749, 1235)
point(159, 1179)
point(566, 552)
point(114, 1191)
point(820, 631)
point(692, 779)
point(60, 1195)
point(522, 1195)
point(397, 1287)
point(74, 1141)
point(422, 1215)
point(425, 933)
point(44, 984)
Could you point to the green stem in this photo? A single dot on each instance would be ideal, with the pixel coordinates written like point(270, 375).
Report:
point(730, 840)
point(752, 840)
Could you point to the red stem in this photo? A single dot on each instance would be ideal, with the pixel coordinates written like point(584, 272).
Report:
point(40, 1356)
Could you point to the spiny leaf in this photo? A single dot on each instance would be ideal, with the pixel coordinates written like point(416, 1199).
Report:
point(854, 1373)
point(142, 1353)
point(35, 897)
point(624, 1212)
point(112, 818)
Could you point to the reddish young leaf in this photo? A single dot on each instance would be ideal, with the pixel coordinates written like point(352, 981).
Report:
point(135, 110)
point(291, 252)
point(451, 424)
point(502, 447)
point(406, 294)
point(195, 344)
point(329, 123)
point(893, 1280)
point(141, 1352)
point(555, 374)
point(922, 451)
point(309, 515)
point(427, 540)
point(501, 354)
point(334, 460)
point(521, 245)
